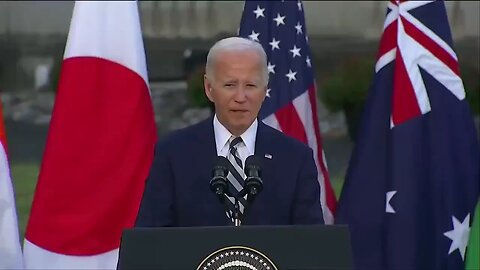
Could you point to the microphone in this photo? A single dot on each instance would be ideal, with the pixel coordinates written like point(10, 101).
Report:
point(253, 184)
point(218, 183)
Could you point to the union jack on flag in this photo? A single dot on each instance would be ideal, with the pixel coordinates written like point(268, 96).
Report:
point(290, 105)
point(417, 45)
point(414, 177)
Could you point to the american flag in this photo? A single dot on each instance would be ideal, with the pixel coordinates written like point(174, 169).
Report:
point(414, 177)
point(291, 103)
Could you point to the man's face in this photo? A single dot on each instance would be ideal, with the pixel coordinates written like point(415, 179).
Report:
point(237, 89)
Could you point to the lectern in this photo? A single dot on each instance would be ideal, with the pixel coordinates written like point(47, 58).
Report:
point(246, 247)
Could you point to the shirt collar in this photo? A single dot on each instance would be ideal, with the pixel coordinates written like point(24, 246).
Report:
point(222, 135)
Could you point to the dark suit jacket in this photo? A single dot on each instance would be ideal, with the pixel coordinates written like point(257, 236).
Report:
point(177, 191)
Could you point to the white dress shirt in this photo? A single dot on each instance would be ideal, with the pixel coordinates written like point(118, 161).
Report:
point(222, 136)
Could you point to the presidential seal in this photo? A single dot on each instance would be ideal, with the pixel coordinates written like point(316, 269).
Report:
point(237, 258)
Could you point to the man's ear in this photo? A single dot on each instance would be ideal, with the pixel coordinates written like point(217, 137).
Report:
point(207, 85)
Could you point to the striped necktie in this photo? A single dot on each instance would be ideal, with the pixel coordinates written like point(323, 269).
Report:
point(236, 175)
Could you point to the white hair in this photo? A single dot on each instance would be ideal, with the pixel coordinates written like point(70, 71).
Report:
point(235, 44)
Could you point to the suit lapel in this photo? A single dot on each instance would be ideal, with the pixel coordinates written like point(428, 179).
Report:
point(264, 150)
point(264, 147)
point(207, 153)
point(206, 150)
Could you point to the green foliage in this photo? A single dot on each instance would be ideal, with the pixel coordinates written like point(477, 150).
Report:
point(55, 73)
point(195, 90)
point(471, 81)
point(348, 84)
point(9, 55)
point(346, 89)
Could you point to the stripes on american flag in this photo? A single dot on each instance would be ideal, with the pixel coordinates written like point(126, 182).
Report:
point(291, 103)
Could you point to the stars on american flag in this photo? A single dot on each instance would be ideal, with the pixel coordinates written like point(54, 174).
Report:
point(259, 12)
point(291, 75)
point(298, 26)
point(274, 44)
point(271, 68)
point(254, 36)
point(288, 55)
point(295, 51)
point(279, 19)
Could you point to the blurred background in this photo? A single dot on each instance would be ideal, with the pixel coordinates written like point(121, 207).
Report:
point(343, 35)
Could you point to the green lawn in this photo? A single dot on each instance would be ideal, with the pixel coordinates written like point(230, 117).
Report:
point(337, 184)
point(24, 177)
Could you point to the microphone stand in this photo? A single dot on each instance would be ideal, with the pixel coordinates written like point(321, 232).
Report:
point(236, 213)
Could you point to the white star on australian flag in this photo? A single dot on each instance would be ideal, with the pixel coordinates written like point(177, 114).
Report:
point(459, 235)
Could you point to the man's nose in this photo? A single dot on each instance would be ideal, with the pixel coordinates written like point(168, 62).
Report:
point(240, 95)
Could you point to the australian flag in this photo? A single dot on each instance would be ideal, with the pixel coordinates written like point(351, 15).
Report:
point(291, 102)
point(413, 179)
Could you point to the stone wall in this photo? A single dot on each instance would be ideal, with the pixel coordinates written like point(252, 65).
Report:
point(171, 30)
point(206, 19)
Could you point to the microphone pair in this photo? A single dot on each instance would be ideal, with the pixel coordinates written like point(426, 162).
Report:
point(253, 183)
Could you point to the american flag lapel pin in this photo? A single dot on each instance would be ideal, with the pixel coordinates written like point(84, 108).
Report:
point(268, 156)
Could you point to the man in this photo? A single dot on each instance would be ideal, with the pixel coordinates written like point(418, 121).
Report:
point(177, 192)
